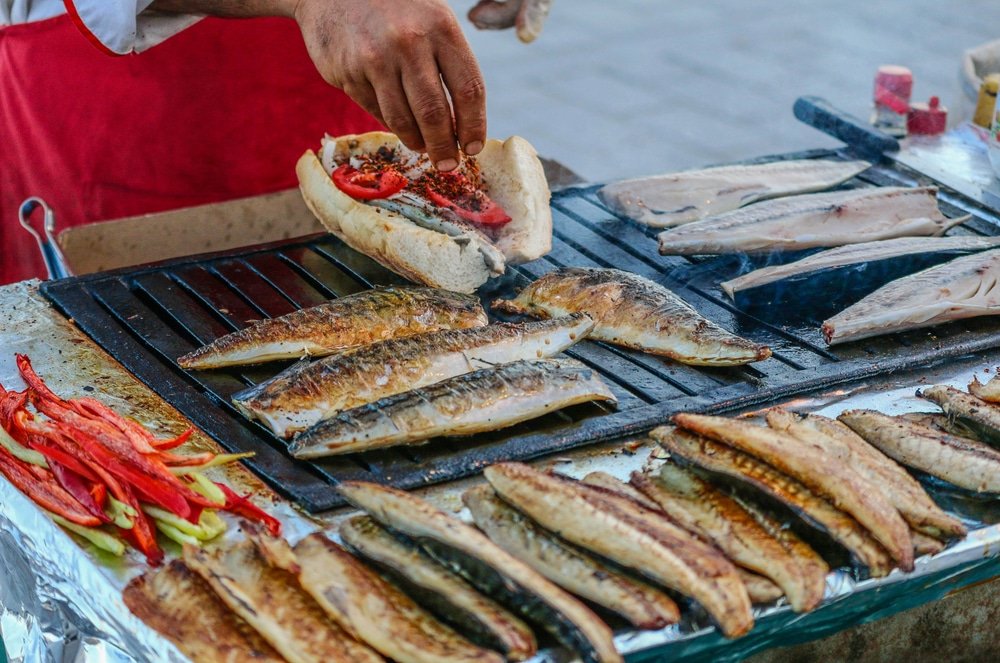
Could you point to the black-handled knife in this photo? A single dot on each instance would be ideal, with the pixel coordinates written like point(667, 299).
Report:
point(858, 134)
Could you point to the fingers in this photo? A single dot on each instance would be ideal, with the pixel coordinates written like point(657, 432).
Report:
point(364, 95)
point(432, 111)
point(468, 96)
point(397, 113)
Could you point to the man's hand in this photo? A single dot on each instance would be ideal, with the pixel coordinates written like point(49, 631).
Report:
point(527, 16)
point(396, 58)
point(400, 61)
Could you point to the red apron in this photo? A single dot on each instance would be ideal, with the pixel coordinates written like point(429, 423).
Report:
point(219, 111)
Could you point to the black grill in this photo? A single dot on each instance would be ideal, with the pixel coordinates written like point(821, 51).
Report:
point(147, 317)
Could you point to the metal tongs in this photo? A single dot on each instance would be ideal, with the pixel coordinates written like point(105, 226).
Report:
point(55, 261)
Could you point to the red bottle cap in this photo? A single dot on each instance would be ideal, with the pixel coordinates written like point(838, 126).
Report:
point(928, 119)
point(893, 86)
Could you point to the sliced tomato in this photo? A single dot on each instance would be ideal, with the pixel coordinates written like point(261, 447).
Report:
point(367, 185)
point(479, 209)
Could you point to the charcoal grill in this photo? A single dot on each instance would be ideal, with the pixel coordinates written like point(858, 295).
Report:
point(146, 317)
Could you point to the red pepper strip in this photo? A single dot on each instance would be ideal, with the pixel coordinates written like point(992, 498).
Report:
point(151, 488)
point(46, 494)
point(173, 443)
point(142, 536)
point(11, 402)
point(33, 381)
point(99, 492)
point(76, 486)
point(115, 446)
point(242, 506)
point(58, 455)
point(141, 438)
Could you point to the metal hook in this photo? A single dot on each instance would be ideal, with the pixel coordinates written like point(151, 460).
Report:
point(55, 261)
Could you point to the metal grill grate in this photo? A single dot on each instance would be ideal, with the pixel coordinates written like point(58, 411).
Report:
point(146, 317)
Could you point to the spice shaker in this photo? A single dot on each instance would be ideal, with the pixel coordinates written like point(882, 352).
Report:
point(893, 86)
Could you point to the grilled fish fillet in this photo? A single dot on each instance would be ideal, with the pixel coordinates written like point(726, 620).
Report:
point(938, 421)
point(813, 220)
point(634, 312)
point(721, 459)
point(819, 470)
point(304, 394)
point(572, 569)
point(965, 463)
point(629, 534)
point(974, 413)
point(375, 611)
point(677, 198)
point(759, 589)
point(178, 604)
point(709, 513)
point(488, 567)
point(963, 288)
point(271, 601)
point(483, 400)
point(616, 485)
point(364, 317)
point(438, 589)
point(813, 567)
point(882, 473)
point(989, 392)
point(866, 257)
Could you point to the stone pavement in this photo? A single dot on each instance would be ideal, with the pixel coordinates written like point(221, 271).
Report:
point(618, 88)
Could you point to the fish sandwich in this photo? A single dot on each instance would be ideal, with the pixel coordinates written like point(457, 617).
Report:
point(450, 230)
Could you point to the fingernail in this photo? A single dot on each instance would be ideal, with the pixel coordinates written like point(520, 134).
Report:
point(446, 165)
point(474, 148)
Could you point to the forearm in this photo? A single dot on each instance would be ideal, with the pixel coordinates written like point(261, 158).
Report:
point(231, 8)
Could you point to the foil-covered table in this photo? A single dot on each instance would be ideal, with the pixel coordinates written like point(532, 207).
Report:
point(60, 600)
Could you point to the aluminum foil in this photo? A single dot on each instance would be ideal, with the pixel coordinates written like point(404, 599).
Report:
point(60, 600)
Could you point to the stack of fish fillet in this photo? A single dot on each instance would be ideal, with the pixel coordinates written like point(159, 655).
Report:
point(401, 366)
point(960, 444)
point(734, 514)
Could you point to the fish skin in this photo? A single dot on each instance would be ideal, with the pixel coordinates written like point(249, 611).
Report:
point(882, 473)
point(454, 601)
point(357, 319)
point(673, 199)
point(375, 611)
point(643, 605)
point(813, 567)
point(488, 567)
point(813, 220)
point(989, 391)
point(721, 459)
point(634, 312)
point(303, 395)
point(620, 529)
point(965, 463)
point(270, 600)
point(175, 602)
point(706, 511)
point(812, 465)
point(974, 413)
point(852, 254)
point(940, 422)
point(962, 288)
point(483, 400)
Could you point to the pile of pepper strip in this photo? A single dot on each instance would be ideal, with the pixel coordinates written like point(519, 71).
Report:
point(105, 476)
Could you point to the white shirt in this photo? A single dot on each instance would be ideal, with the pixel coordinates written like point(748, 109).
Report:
point(119, 26)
